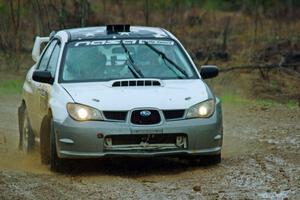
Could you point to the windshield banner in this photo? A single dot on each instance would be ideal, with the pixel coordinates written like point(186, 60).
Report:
point(115, 42)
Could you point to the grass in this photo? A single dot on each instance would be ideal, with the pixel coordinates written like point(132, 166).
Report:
point(234, 99)
point(292, 104)
point(238, 100)
point(9, 87)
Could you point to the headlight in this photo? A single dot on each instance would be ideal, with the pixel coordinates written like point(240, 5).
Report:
point(203, 110)
point(83, 113)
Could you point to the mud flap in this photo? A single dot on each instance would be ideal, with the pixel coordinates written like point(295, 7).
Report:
point(45, 140)
point(20, 121)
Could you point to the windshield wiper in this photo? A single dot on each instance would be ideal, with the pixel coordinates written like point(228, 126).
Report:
point(132, 67)
point(164, 57)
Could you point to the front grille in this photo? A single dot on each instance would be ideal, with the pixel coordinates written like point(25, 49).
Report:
point(173, 114)
point(149, 138)
point(137, 117)
point(146, 142)
point(115, 115)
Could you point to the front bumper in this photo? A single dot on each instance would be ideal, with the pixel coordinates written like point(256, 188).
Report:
point(81, 139)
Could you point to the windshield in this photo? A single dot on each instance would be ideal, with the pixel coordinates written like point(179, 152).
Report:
point(104, 60)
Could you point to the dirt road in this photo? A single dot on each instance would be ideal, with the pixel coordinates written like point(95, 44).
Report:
point(261, 159)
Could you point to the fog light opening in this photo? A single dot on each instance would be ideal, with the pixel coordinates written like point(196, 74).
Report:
point(181, 141)
point(108, 141)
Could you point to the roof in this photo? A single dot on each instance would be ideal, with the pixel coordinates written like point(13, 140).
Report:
point(101, 33)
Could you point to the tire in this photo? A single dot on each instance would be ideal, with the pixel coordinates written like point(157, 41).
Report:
point(45, 141)
point(26, 139)
point(56, 163)
point(211, 159)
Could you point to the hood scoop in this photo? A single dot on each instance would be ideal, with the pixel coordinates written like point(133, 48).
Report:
point(137, 83)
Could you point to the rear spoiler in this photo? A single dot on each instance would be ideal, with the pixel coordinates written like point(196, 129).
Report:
point(36, 51)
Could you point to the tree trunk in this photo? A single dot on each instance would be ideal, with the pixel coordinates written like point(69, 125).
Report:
point(146, 12)
point(15, 19)
point(39, 16)
point(61, 13)
point(82, 7)
point(225, 34)
point(104, 17)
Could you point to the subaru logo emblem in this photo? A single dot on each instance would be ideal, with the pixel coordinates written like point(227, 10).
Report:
point(145, 113)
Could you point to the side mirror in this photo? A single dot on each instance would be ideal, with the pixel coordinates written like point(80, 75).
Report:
point(209, 71)
point(43, 77)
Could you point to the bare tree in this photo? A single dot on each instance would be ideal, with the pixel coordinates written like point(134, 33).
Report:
point(38, 10)
point(15, 11)
point(82, 10)
point(225, 34)
point(146, 12)
point(15, 19)
point(59, 7)
point(104, 16)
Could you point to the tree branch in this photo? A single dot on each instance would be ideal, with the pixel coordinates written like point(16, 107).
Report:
point(285, 67)
point(257, 66)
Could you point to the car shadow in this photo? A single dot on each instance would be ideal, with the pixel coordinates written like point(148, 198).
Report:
point(131, 167)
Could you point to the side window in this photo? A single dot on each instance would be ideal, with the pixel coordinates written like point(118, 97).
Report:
point(53, 60)
point(46, 56)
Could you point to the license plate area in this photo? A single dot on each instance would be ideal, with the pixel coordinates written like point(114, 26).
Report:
point(145, 142)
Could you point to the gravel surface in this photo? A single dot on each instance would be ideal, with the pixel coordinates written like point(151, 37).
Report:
point(260, 160)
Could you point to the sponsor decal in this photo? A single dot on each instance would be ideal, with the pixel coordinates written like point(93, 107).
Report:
point(115, 42)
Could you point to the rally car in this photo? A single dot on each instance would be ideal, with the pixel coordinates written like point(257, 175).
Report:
point(118, 90)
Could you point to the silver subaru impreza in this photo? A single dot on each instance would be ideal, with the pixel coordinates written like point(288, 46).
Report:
point(118, 90)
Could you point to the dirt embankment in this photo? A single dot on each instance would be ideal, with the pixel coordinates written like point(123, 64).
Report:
point(260, 160)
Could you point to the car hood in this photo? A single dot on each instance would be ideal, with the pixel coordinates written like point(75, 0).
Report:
point(173, 94)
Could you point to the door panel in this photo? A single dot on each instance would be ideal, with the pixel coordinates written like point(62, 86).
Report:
point(37, 89)
point(30, 99)
point(44, 90)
